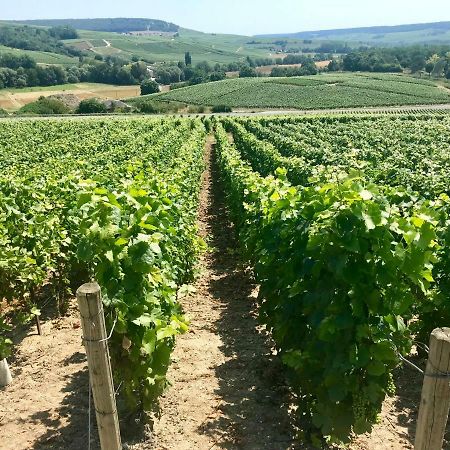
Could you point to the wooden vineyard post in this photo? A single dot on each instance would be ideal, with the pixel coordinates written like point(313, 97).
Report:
point(435, 402)
point(38, 326)
point(95, 341)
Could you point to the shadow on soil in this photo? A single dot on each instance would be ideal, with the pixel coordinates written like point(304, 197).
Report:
point(409, 388)
point(68, 427)
point(255, 401)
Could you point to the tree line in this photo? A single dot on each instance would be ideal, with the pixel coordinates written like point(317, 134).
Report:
point(434, 60)
point(185, 73)
point(22, 71)
point(39, 39)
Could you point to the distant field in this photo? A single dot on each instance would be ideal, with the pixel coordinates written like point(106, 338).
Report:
point(340, 90)
point(14, 99)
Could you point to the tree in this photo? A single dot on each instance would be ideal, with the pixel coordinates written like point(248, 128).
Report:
point(334, 66)
point(247, 72)
point(308, 68)
point(44, 106)
point(417, 63)
point(149, 87)
point(124, 77)
point(63, 32)
point(250, 62)
point(431, 63)
point(187, 59)
point(91, 106)
point(429, 66)
point(204, 66)
point(217, 76)
point(139, 70)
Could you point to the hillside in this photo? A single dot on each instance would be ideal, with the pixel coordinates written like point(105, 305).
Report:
point(214, 48)
point(339, 90)
point(151, 40)
point(116, 25)
point(425, 33)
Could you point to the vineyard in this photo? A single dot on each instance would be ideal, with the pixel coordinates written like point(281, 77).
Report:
point(344, 221)
point(312, 92)
point(113, 201)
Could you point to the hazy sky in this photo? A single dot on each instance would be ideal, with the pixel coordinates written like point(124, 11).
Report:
point(240, 16)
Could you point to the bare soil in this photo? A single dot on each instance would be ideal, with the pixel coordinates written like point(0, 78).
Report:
point(46, 406)
point(228, 388)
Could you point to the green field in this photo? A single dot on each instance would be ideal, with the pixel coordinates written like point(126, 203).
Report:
point(315, 92)
point(342, 222)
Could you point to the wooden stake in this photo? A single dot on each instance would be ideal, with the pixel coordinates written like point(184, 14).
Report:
point(435, 402)
point(38, 325)
point(94, 335)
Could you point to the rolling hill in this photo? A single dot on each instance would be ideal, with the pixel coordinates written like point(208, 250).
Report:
point(149, 39)
point(425, 33)
point(214, 48)
point(159, 41)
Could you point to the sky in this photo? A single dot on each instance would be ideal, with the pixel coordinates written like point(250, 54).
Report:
point(247, 17)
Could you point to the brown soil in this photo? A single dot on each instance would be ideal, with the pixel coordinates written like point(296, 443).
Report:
point(228, 389)
point(46, 406)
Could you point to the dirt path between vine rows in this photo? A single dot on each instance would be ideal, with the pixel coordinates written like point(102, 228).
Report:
point(226, 391)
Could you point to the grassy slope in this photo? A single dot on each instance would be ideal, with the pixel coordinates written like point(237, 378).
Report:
point(324, 91)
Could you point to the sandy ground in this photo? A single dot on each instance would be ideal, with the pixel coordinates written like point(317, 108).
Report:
point(15, 100)
point(46, 406)
point(228, 389)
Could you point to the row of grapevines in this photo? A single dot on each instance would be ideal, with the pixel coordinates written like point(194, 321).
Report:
point(403, 152)
point(341, 268)
point(408, 151)
point(123, 213)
